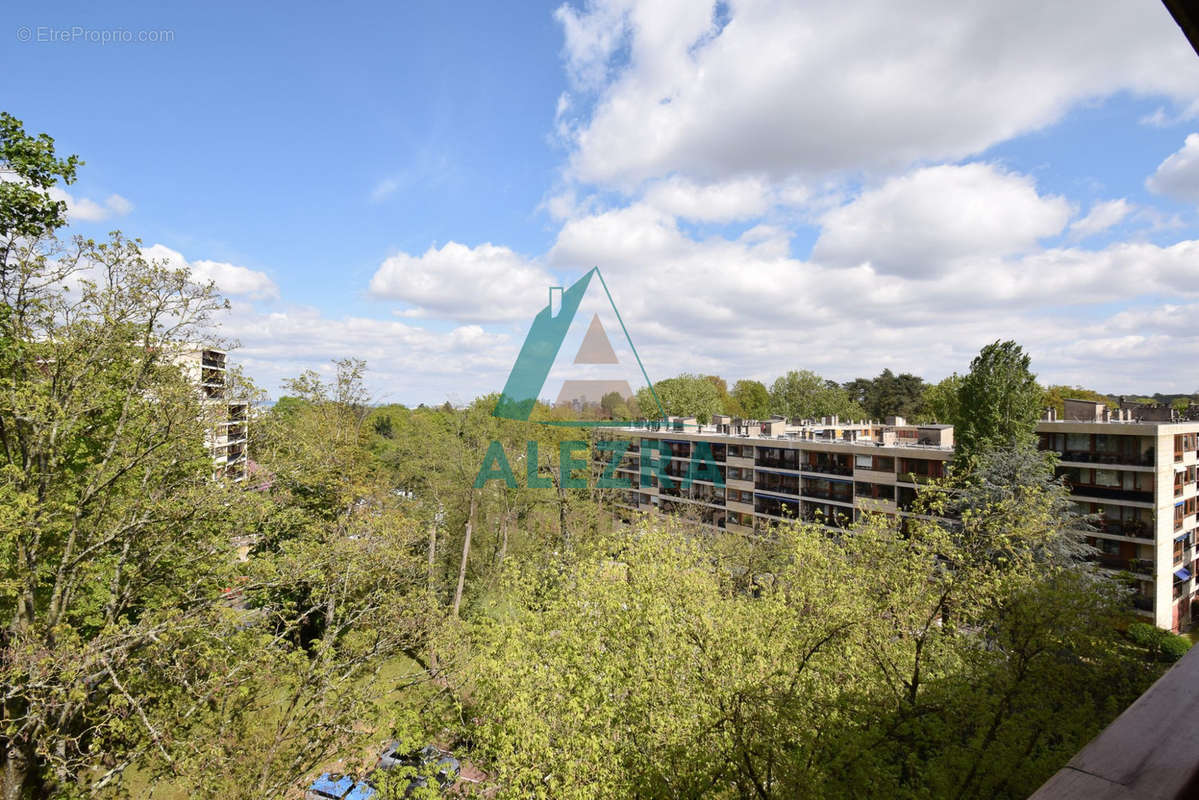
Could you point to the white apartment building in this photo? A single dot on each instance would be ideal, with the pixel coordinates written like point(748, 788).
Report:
point(1136, 473)
point(227, 417)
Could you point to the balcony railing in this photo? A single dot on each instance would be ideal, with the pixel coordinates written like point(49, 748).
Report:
point(1132, 528)
point(822, 494)
point(1107, 493)
point(1085, 457)
point(1141, 566)
point(829, 469)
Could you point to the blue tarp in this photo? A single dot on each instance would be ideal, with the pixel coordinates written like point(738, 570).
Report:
point(363, 791)
point(1182, 574)
point(326, 785)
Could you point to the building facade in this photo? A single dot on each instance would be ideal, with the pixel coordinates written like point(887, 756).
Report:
point(227, 417)
point(1137, 476)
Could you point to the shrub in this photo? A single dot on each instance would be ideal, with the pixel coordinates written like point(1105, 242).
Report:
point(1173, 648)
point(1144, 634)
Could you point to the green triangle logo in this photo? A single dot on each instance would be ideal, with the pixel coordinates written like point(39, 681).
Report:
point(544, 341)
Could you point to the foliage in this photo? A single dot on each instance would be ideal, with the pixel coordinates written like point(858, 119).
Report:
point(1159, 644)
point(942, 401)
point(116, 632)
point(1056, 395)
point(728, 403)
point(1143, 633)
point(1013, 493)
point(888, 395)
point(753, 398)
point(806, 395)
point(616, 407)
point(26, 207)
point(999, 401)
point(684, 396)
point(654, 664)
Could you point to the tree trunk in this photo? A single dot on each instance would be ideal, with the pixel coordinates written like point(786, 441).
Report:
point(17, 763)
point(432, 553)
point(470, 518)
point(562, 530)
point(503, 538)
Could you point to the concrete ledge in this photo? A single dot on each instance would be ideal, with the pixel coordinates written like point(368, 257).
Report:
point(1150, 752)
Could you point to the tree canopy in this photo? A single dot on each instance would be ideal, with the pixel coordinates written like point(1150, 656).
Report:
point(805, 395)
point(888, 394)
point(753, 398)
point(999, 401)
point(684, 396)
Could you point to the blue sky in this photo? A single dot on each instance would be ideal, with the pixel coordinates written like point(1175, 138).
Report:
point(766, 185)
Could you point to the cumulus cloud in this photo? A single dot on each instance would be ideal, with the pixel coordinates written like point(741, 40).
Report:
point(229, 278)
point(1178, 175)
point(87, 210)
point(1101, 217)
point(486, 283)
point(737, 199)
point(713, 90)
point(930, 219)
point(405, 363)
point(747, 307)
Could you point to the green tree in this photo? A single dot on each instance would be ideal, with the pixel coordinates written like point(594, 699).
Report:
point(999, 401)
point(116, 544)
point(662, 665)
point(753, 398)
point(685, 396)
point(942, 401)
point(728, 403)
point(1056, 395)
point(805, 395)
point(888, 394)
point(338, 580)
point(614, 404)
point(27, 209)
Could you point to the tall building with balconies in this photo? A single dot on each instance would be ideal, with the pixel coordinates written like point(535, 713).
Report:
point(1135, 470)
point(825, 471)
point(226, 416)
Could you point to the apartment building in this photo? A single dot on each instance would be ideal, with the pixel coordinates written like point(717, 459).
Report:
point(1134, 469)
point(227, 416)
point(825, 471)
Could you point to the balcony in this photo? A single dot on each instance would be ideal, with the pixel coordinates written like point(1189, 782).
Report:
point(829, 469)
point(1135, 529)
point(1116, 459)
point(1140, 566)
point(1107, 493)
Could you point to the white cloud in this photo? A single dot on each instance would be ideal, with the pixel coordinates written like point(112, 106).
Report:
point(928, 220)
point(405, 363)
point(486, 283)
point(1178, 175)
point(84, 209)
point(1101, 217)
point(746, 307)
point(818, 87)
point(229, 278)
point(737, 199)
